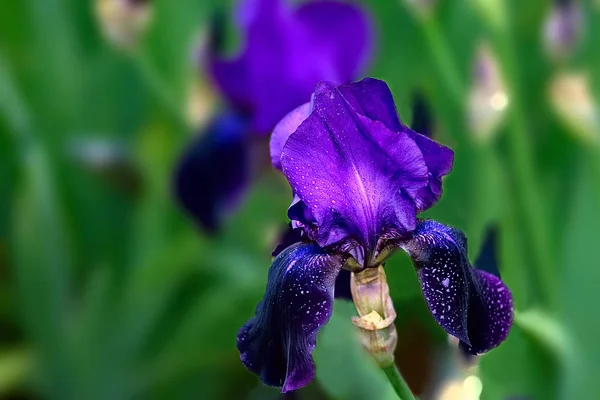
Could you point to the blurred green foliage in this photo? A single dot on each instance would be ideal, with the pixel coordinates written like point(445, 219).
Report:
point(108, 292)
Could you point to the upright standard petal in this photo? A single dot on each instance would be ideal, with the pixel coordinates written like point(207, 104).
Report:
point(357, 177)
point(277, 343)
point(213, 172)
point(284, 129)
point(373, 99)
point(470, 304)
point(287, 51)
point(487, 260)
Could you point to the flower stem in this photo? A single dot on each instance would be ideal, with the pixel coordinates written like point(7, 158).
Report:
point(398, 383)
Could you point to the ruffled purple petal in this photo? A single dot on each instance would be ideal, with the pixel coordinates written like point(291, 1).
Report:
point(470, 304)
point(373, 99)
point(277, 343)
point(357, 177)
point(287, 52)
point(439, 160)
point(284, 129)
point(213, 172)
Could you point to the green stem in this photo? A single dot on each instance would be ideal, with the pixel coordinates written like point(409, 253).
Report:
point(398, 383)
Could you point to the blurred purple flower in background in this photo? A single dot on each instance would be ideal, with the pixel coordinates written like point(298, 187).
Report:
point(286, 51)
point(359, 178)
point(562, 29)
point(213, 171)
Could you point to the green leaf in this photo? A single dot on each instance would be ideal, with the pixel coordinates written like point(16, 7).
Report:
point(579, 284)
point(42, 262)
point(521, 366)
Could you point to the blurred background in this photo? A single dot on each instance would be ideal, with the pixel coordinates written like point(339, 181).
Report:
point(109, 290)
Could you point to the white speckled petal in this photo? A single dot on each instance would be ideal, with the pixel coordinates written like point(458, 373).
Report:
point(470, 304)
point(490, 313)
point(277, 343)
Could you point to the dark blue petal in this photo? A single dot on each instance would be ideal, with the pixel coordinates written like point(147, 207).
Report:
point(488, 259)
point(468, 303)
point(291, 236)
point(490, 313)
point(277, 343)
point(288, 237)
point(421, 116)
point(213, 172)
point(342, 285)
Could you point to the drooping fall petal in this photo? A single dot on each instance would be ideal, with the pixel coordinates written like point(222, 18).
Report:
point(470, 304)
point(277, 343)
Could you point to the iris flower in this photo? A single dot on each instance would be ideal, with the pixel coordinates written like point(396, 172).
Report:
point(286, 51)
point(360, 178)
point(563, 28)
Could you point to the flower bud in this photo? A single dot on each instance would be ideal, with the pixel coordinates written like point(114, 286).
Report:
point(376, 314)
point(108, 160)
point(123, 22)
point(562, 29)
point(571, 96)
point(488, 99)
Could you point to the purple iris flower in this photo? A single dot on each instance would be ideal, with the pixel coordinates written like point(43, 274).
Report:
point(211, 174)
point(563, 28)
point(359, 178)
point(286, 50)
